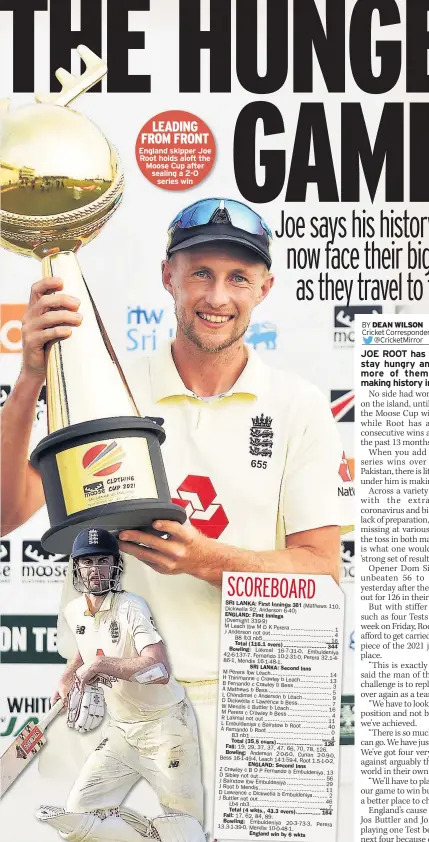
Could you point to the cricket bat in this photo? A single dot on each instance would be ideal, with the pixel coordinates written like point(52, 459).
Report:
point(24, 747)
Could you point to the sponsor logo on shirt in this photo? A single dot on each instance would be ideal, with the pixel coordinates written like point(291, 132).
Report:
point(11, 328)
point(344, 323)
point(262, 333)
point(39, 565)
point(197, 496)
point(261, 438)
point(29, 639)
point(343, 404)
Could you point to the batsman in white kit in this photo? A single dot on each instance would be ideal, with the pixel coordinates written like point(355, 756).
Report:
point(121, 661)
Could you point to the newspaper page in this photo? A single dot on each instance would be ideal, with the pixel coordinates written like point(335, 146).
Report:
point(244, 194)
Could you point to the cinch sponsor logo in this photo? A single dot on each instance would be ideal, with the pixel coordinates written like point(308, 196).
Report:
point(11, 327)
point(147, 328)
point(347, 561)
point(262, 333)
point(29, 639)
point(103, 459)
point(22, 711)
point(343, 404)
point(4, 561)
point(40, 565)
point(344, 323)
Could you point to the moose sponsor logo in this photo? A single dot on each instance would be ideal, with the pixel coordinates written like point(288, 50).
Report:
point(93, 488)
point(5, 390)
point(347, 561)
point(38, 565)
point(4, 561)
point(344, 323)
point(29, 639)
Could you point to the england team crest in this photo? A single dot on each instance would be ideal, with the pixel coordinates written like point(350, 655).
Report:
point(261, 436)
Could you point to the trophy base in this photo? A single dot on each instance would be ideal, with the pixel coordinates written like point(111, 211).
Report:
point(138, 515)
point(108, 473)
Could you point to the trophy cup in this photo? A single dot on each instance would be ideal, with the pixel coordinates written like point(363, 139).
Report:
point(60, 182)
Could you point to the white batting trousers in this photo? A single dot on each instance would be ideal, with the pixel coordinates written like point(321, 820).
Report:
point(203, 698)
point(163, 751)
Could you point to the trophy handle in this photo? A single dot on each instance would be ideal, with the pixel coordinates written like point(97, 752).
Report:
point(84, 379)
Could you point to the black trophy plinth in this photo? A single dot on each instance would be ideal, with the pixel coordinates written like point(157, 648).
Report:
point(69, 482)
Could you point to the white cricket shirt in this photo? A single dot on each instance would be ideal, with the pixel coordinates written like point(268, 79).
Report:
point(251, 467)
point(122, 628)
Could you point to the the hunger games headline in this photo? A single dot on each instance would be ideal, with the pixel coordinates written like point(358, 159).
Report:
point(324, 38)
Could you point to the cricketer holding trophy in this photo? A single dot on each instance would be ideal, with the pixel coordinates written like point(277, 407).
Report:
point(251, 453)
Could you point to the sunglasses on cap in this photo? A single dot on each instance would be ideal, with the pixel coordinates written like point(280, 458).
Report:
point(234, 213)
point(220, 219)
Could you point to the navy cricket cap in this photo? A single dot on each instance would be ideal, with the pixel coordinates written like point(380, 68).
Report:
point(220, 220)
point(94, 541)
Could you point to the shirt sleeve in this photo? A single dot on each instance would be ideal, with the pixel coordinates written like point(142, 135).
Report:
point(310, 481)
point(142, 625)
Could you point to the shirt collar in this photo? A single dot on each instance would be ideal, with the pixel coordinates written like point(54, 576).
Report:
point(166, 381)
point(105, 605)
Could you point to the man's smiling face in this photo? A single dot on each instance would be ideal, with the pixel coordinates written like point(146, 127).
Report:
point(215, 288)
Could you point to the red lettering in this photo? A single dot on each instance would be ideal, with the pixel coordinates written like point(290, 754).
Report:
point(231, 591)
point(302, 586)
